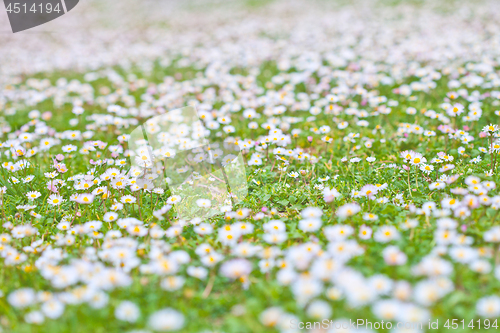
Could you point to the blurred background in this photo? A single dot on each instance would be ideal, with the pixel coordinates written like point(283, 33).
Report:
point(103, 32)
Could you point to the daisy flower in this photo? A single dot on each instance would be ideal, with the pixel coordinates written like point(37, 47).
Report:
point(110, 217)
point(32, 195)
point(204, 203)
point(173, 199)
point(55, 200)
point(128, 199)
point(386, 234)
point(85, 198)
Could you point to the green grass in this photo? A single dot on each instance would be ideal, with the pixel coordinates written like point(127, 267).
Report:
point(275, 190)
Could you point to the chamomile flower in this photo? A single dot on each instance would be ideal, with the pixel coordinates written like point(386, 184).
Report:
point(174, 199)
point(128, 199)
point(32, 195)
point(85, 198)
point(55, 200)
point(386, 233)
point(203, 203)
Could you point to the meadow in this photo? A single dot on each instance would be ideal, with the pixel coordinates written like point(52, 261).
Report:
point(369, 134)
